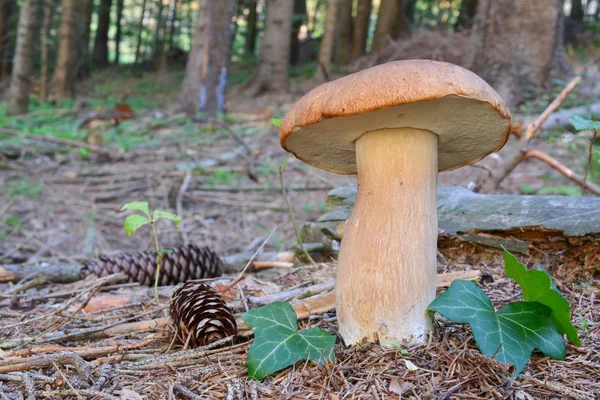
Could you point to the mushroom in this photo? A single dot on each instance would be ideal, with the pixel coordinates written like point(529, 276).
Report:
point(395, 125)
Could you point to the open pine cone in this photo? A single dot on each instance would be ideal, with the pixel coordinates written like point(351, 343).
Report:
point(200, 313)
point(183, 264)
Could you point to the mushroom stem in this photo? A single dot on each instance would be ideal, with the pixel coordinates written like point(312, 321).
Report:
point(386, 274)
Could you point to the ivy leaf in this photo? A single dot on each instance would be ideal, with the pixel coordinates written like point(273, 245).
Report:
point(538, 286)
point(276, 121)
point(135, 222)
point(584, 124)
point(509, 335)
point(277, 342)
point(167, 215)
point(137, 206)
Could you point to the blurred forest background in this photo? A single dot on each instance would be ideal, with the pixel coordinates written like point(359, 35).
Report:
point(109, 101)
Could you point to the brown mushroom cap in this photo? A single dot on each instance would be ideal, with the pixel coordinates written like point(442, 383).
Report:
point(468, 116)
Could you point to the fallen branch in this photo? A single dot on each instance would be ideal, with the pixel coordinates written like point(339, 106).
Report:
point(534, 128)
point(64, 142)
point(563, 170)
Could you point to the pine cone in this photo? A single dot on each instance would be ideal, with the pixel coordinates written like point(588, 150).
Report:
point(200, 313)
point(183, 264)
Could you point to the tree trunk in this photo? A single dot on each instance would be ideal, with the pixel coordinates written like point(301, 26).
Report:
point(344, 33)
point(159, 27)
point(466, 14)
point(328, 39)
point(138, 45)
point(251, 30)
point(272, 70)
point(300, 17)
point(206, 71)
point(361, 28)
point(6, 11)
point(48, 8)
point(85, 18)
point(172, 21)
point(118, 33)
point(577, 11)
point(20, 81)
point(517, 45)
point(100, 55)
point(391, 21)
point(66, 59)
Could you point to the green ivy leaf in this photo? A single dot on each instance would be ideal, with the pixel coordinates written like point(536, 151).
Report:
point(276, 121)
point(584, 124)
point(135, 222)
point(137, 206)
point(167, 215)
point(509, 335)
point(277, 342)
point(538, 286)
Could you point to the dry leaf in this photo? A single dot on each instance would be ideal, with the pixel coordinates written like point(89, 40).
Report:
point(410, 365)
point(127, 394)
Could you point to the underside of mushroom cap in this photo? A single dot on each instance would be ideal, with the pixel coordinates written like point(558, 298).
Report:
point(468, 116)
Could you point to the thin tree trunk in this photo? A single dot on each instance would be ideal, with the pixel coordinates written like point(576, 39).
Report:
point(138, 45)
point(312, 17)
point(360, 32)
point(118, 33)
point(272, 71)
point(6, 11)
point(172, 21)
point(391, 21)
point(66, 59)
point(251, 32)
point(206, 71)
point(328, 40)
point(163, 43)
point(344, 33)
point(85, 29)
point(48, 8)
point(159, 27)
point(100, 55)
point(300, 17)
point(20, 82)
point(466, 14)
point(577, 11)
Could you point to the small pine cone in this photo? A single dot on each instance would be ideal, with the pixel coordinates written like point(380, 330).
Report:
point(199, 312)
point(183, 264)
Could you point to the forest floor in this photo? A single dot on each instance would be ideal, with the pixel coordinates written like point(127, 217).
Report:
point(60, 204)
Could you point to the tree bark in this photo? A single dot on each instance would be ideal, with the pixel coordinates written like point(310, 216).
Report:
point(6, 12)
point(100, 54)
point(85, 18)
point(66, 59)
point(391, 21)
point(517, 45)
point(272, 70)
point(466, 14)
point(20, 82)
point(138, 45)
point(48, 8)
point(300, 17)
point(251, 30)
point(206, 71)
point(328, 40)
point(118, 33)
point(361, 28)
point(172, 21)
point(344, 33)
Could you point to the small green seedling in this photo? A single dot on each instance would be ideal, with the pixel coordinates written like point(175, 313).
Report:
point(136, 221)
point(584, 124)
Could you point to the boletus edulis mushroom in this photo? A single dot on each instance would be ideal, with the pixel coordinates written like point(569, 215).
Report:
point(395, 125)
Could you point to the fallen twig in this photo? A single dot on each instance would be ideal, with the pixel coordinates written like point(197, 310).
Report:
point(64, 142)
point(534, 128)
